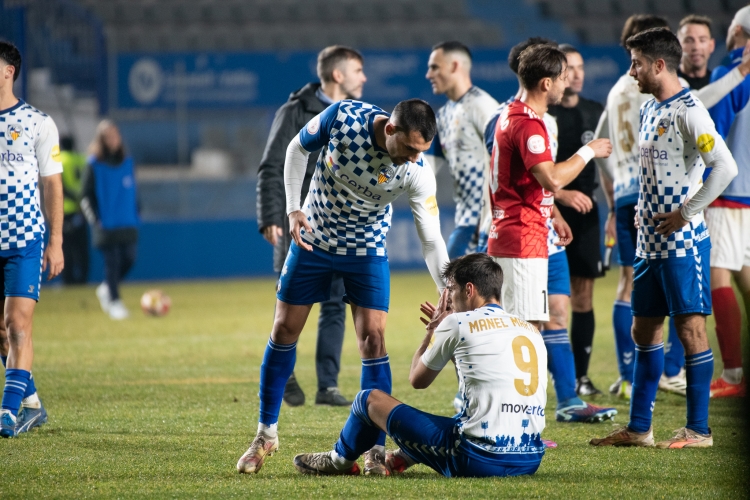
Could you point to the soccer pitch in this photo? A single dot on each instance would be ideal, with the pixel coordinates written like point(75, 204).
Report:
point(164, 407)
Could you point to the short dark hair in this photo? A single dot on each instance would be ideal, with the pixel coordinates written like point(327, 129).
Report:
point(478, 269)
point(415, 114)
point(567, 48)
point(538, 62)
point(515, 52)
point(657, 43)
point(696, 19)
point(453, 46)
point(330, 57)
point(10, 54)
point(640, 22)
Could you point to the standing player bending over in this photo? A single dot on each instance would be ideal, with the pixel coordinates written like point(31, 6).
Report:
point(28, 149)
point(369, 159)
point(677, 140)
point(501, 363)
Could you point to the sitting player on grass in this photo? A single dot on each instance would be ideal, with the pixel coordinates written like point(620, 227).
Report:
point(501, 362)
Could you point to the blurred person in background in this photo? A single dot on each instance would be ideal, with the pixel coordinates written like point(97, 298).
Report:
point(341, 77)
point(697, 44)
point(110, 205)
point(728, 217)
point(75, 233)
point(460, 140)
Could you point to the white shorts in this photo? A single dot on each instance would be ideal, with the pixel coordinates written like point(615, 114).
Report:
point(730, 237)
point(525, 287)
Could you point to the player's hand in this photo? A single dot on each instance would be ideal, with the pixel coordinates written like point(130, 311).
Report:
point(272, 234)
point(564, 234)
point(575, 200)
point(744, 66)
point(435, 315)
point(602, 147)
point(636, 219)
point(298, 222)
point(610, 228)
point(670, 222)
point(53, 261)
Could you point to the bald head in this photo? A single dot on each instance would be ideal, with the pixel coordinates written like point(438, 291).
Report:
point(449, 69)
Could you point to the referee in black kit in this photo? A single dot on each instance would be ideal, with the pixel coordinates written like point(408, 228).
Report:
point(577, 119)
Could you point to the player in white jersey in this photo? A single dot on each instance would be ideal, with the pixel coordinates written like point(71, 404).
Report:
point(677, 140)
point(561, 364)
point(460, 138)
point(501, 362)
point(29, 149)
point(619, 122)
point(369, 158)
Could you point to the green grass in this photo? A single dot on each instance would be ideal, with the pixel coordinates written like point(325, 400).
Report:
point(164, 407)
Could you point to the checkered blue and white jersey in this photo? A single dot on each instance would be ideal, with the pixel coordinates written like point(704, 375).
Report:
point(29, 147)
point(349, 202)
point(677, 138)
point(461, 125)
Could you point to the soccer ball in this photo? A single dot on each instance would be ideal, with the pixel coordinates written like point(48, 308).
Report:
point(155, 303)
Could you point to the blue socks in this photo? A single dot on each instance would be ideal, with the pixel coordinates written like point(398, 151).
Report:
point(277, 367)
point(699, 368)
point(561, 365)
point(622, 320)
point(674, 353)
point(359, 433)
point(30, 387)
point(376, 374)
point(649, 364)
point(15, 387)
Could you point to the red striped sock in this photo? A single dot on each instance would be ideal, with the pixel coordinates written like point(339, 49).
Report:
point(728, 324)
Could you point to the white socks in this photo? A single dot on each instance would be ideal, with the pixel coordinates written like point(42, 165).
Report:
point(340, 462)
point(732, 375)
point(270, 431)
point(31, 402)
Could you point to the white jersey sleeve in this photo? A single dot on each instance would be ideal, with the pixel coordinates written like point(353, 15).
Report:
point(697, 127)
point(421, 191)
point(47, 146)
point(443, 344)
point(711, 94)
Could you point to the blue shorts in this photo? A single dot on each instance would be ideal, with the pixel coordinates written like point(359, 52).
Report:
point(431, 440)
point(627, 234)
point(672, 286)
point(558, 274)
point(306, 278)
point(21, 270)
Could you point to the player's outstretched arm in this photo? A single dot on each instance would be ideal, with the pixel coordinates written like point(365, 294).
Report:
point(554, 176)
point(424, 207)
point(53, 261)
point(295, 166)
point(712, 94)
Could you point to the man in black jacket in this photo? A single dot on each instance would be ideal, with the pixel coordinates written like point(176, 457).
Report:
point(341, 77)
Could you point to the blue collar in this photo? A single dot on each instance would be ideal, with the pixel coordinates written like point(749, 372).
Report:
point(736, 55)
point(322, 97)
point(370, 126)
point(493, 306)
point(683, 92)
point(13, 108)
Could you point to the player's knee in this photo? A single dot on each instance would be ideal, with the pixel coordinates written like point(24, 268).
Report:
point(373, 344)
point(18, 332)
point(283, 334)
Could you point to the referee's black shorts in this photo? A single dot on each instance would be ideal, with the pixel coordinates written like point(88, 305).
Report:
point(584, 252)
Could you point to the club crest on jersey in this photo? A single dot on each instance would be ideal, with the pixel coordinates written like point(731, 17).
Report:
point(663, 126)
point(14, 131)
point(385, 174)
